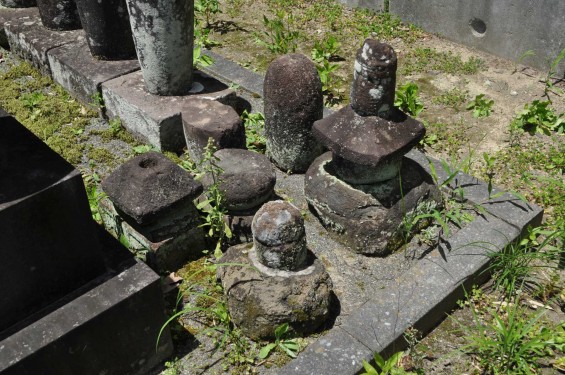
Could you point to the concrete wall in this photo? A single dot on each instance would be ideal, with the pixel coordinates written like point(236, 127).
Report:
point(506, 28)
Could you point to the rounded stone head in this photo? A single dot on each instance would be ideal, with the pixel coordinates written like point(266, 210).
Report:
point(279, 236)
point(374, 79)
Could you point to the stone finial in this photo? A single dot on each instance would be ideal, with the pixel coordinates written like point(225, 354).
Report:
point(279, 236)
point(293, 101)
point(149, 186)
point(374, 79)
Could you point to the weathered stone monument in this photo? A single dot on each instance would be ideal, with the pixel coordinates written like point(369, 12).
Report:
point(365, 189)
point(151, 204)
point(293, 101)
point(247, 180)
point(107, 28)
point(73, 300)
point(284, 282)
point(163, 31)
point(59, 14)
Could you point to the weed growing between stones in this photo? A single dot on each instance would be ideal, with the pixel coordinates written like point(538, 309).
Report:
point(509, 339)
point(254, 131)
point(287, 345)
point(407, 99)
point(213, 207)
point(391, 366)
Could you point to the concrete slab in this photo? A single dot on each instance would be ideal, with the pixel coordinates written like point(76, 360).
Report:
point(74, 68)
point(157, 119)
point(335, 353)
point(31, 41)
point(378, 5)
point(506, 28)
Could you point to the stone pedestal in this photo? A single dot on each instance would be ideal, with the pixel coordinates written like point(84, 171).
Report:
point(369, 219)
point(75, 301)
point(283, 281)
point(151, 204)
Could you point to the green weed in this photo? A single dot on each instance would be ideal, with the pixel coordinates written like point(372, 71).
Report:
point(422, 60)
point(511, 341)
point(453, 98)
point(391, 366)
point(407, 99)
point(279, 38)
point(213, 207)
point(254, 131)
point(288, 346)
point(538, 117)
point(208, 8)
point(94, 195)
point(551, 77)
point(480, 106)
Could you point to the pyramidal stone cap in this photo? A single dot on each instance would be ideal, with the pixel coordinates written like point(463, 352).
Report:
point(368, 140)
point(149, 186)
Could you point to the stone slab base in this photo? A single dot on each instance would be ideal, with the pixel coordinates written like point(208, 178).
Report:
point(31, 41)
point(74, 68)
point(157, 119)
point(107, 327)
point(9, 14)
point(163, 256)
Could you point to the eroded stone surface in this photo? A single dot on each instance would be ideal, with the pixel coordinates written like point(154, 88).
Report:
point(279, 236)
point(259, 302)
point(293, 101)
point(59, 14)
point(368, 140)
point(369, 218)
point(374, 79)
point(18, 3)
point(204, 119)
point(149, 186)
point(107, 28)
point(31, 41)
point(248, 178)
point(157, 119)
point(163, 31)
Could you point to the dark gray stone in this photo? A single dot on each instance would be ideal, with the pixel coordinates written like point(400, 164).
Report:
point(9, 14)
point(377, 5)
point(368, 141)
point(335, 353)
point(293, 101)
point(3, 113)
point(423, 294)
point(157, 119)
point(74, 68)
point(248, 178)
point(168, 244)
point(163, 31)
point(279, 236)
point(150, 186)
point(59, 14)
point(110, 329)
point(31, 41)
point(204, 119)
point(48, 246)
point(374, 79)
point(107, 28)
point(18, 3)
point(261, 299)
point(369, 218)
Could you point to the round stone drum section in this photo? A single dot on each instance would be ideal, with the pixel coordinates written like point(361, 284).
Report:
point(248, 178)
point(210, 119)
